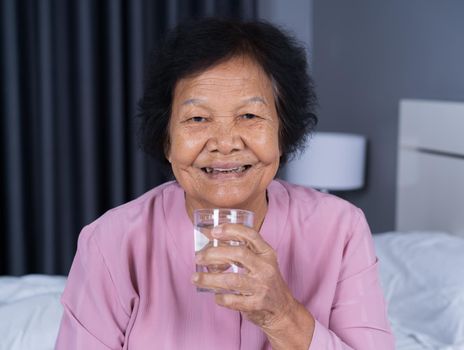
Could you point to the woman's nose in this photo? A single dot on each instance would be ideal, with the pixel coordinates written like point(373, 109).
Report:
point(225, 139)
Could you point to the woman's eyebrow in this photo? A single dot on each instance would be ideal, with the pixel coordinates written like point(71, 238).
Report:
point(192, 101)
point(255, 99)
point(250, 100)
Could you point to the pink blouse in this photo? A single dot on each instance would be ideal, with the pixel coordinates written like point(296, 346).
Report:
point(129, 286)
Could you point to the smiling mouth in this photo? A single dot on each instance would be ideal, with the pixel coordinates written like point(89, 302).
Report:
point(236, 170)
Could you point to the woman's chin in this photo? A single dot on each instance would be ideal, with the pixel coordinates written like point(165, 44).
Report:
point(228, 198)
point(232, 204)
point(240, 191)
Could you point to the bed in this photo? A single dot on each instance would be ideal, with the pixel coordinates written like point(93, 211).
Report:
point(424, 287)
point(30, 311)
point(421, 262)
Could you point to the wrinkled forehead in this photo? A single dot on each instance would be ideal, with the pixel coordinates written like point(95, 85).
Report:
point(239, 74)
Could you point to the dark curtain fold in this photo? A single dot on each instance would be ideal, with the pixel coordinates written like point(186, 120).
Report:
point(71, 75)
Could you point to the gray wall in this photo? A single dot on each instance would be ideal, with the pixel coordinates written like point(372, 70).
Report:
point(294, 15)
point(368, 55)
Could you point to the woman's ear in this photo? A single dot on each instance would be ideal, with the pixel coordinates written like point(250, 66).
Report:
point(167, 150)
point(168, 157)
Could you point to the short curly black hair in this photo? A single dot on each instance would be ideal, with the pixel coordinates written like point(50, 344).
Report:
point(194, 46)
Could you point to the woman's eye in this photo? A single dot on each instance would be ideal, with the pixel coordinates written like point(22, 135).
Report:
point(248, 116)
point(198, 119)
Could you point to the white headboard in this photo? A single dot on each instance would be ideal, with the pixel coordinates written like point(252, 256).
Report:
point(430, 182)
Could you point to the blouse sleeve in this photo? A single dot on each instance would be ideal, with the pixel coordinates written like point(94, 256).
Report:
point(358, 317)
point(93, 315)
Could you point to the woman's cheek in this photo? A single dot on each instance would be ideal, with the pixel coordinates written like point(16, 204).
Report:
point(186, 149)
point(267, 147)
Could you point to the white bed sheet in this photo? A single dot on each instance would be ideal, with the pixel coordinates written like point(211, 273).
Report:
point(30, 311)
point(422, 274)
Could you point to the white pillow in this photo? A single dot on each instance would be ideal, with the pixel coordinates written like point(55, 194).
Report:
point(30, 311)
point(422, 274)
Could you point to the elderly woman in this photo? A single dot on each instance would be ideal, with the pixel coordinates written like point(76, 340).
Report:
point(225, 104)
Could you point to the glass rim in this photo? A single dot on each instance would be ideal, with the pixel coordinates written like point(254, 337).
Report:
point(211, 210)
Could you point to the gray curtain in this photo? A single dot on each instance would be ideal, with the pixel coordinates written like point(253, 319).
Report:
point(71, 75)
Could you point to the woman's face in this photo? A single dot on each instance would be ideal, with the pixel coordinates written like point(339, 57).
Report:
point(224, 144)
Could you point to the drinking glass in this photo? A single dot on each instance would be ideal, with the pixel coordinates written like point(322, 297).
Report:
point(204, 220)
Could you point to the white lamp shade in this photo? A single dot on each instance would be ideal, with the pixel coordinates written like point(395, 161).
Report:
point(332, 161)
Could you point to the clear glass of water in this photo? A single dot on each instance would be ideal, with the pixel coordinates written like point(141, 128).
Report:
point(204, 220)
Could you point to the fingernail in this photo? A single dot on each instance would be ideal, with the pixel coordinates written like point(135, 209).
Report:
point(216, 231)
point(195, 277)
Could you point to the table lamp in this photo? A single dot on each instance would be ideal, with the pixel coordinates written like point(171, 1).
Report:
point(331, 162)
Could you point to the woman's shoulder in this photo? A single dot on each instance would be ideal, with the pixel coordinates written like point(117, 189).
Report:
point(324, 213)
point(316, 209)
point(144, 200)
point(131, 217)
point(311, 199)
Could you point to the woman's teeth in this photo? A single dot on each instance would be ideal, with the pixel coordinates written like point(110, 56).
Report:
point(225, 171)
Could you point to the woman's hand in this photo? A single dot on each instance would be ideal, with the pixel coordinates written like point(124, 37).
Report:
point(262, 296)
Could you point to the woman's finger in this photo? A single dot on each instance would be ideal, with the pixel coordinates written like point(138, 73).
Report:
point(239, 302)
point(237, 232)
point(240, 255)
point(234, 282)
